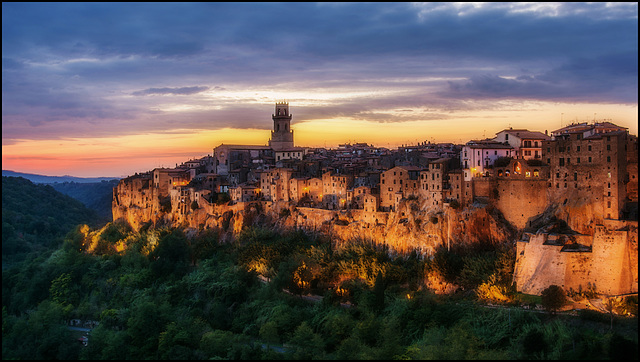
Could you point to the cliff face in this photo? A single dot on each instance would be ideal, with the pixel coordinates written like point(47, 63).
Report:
point(609, 261)
point(412, 227)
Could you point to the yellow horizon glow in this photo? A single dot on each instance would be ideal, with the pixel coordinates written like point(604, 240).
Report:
point(125, 155)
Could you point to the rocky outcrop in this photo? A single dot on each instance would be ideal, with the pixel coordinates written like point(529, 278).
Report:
point(412, 227)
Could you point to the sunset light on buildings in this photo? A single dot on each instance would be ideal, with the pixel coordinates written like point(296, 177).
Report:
point(116, 89)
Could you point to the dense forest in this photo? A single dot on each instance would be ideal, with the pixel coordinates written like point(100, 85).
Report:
point(170, 293)
point(94, 195)
point(36, 217)
point(283, 295)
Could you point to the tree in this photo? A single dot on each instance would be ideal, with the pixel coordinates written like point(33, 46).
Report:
point(216, 343)
point(308, 345)
point(60, 289)
point(553, 298)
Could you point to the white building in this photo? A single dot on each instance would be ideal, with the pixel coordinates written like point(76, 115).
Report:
point(477, 157)
point(526, 144)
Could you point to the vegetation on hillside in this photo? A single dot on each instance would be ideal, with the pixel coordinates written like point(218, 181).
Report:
point(36, 218)
point(159, 294)
point(94, 195)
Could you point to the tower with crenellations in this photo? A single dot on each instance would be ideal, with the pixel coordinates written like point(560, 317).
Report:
point(282, 135)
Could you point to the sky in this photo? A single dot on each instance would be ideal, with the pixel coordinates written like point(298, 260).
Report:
point(111, 89)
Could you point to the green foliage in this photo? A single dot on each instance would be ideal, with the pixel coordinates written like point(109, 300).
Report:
point(307, 344)
point(169, 296)
point(95, 195)
point(447, 263)
point(553, 298)
point(35, 218)
point(61, 289)
point(216, 343)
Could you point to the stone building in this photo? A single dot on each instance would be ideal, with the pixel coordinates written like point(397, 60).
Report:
point(606, 260)
point(334, 190)
point(434, 185)
point(398, 183)
point(282, 134)
point(234, 157)
point(274, 184)
point(526, 144)
point(356, 197)
point(591, 157)
point(477, 157)
point(245, 192)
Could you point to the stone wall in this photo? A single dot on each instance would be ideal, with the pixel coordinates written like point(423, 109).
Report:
point(520, 199)
point(611, 265)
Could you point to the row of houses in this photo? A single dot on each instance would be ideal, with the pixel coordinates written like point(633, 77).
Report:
point(598, 156)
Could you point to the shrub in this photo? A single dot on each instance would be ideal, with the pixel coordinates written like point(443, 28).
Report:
point(553, 298)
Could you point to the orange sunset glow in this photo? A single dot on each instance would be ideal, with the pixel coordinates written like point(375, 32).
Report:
point(76, 104)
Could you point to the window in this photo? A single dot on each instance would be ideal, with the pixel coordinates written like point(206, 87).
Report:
point(589, 147)
point(561, 162)
point(608, 158)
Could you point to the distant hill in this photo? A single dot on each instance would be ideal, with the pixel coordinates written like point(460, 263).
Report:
point(94, 195)
point(36, 217)
point(42, 179)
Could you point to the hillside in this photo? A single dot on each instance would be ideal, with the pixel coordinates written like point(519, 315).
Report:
point(43, 179)
point(37, 217)
point(94, 195)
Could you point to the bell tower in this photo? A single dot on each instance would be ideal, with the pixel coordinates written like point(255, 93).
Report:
point(282, 135)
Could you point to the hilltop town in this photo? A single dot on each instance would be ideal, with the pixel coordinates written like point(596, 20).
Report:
point(568, 197)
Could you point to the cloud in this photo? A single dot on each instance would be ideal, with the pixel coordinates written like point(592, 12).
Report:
point(610, 78)
point(176, 91)
point(77, 68)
